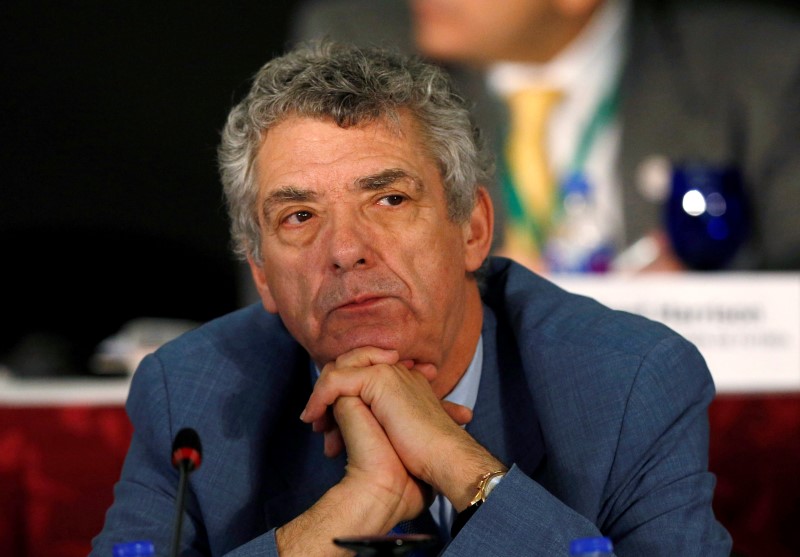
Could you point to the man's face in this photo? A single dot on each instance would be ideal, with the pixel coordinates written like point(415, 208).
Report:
point(476, 30)
point(357, 246)
point(481, 32)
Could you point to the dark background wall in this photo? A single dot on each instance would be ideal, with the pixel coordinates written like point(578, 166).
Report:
point(111, 206)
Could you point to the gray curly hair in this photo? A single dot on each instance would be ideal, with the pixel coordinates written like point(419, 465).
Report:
point(349, 85)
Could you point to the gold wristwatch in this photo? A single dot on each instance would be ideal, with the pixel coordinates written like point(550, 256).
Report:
point(485, 486)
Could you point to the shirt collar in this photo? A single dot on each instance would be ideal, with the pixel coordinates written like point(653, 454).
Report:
point(465, 392)
point(595, 53)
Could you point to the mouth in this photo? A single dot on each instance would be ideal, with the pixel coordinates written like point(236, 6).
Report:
point(364, 302)
point(355, 294)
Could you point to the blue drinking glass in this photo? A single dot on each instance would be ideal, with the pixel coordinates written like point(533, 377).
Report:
point(706, 215)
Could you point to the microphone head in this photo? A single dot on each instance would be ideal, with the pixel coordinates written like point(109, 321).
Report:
point(187, 450)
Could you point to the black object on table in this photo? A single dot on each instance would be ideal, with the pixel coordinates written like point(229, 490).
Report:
point(385, 546)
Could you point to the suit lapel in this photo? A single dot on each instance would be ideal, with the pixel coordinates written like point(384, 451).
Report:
point(305, 475)
point(504, 419)
point(299, 473)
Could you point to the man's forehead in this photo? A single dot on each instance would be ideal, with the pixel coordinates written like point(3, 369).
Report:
point(399, 125)
point(300, 152)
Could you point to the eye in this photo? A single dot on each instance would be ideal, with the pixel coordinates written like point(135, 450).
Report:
point(297, 217)
point(392, 200)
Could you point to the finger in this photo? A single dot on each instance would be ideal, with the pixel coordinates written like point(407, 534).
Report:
point(358, 427)
point(355, 381)
point(366, 383)
point(333, 443)
point(327, 389)
point(323, 424)
point(357, 358)
point(366, 356)
point(427, 370)
point(459, 414)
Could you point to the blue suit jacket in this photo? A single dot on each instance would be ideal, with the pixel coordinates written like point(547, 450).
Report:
point(601, 414)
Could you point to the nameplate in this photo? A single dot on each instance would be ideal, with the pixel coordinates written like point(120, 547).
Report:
point(746, 325)
point(64, 391)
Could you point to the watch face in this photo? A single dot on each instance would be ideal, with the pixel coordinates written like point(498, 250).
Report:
point(401, 544)
point(491, 483)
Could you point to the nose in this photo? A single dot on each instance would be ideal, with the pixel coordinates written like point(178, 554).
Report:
point(349, 245)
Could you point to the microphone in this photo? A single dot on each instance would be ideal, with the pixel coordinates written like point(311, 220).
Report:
point(187, 453)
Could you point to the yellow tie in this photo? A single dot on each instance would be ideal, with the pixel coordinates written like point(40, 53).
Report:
point(529, 167)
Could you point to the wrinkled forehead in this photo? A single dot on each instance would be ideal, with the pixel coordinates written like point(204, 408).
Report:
point(302, 153)
point(399, 123)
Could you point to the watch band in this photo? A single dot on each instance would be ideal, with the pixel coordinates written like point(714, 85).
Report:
point(485, 486)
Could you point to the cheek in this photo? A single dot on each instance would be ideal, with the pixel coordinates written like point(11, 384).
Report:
point(294, 309)
point(290, 293)
point(438, 262)
point(284, 287)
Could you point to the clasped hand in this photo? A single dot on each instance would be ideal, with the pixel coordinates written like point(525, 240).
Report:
point(400, 437)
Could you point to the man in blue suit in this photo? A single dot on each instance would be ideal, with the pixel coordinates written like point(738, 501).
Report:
point(472, 395)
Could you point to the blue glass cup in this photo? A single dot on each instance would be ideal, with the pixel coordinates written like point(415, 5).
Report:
point(706, 215)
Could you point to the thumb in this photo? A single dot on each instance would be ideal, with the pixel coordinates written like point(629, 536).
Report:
point(459, 414)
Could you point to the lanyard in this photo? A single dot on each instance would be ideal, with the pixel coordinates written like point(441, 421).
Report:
point(604, 114)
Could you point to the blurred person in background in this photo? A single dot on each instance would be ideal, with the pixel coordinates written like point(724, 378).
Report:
point(629, 134)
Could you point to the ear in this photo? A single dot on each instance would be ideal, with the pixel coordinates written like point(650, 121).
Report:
point(260, 280)
point(478, 231)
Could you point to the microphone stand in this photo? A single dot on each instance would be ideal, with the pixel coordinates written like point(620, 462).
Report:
point(186, 457)
point(176, 533)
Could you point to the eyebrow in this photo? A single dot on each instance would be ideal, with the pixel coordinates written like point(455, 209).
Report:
point(385, 178)
point(374, 182)
point(290, 194)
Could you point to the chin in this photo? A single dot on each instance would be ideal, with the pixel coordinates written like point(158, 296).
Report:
point(384, 337)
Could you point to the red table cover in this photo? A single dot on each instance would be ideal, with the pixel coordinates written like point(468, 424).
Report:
point(58, 466)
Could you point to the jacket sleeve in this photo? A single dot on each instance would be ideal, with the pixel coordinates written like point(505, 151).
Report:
point(145, 495)
point(657, 496)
